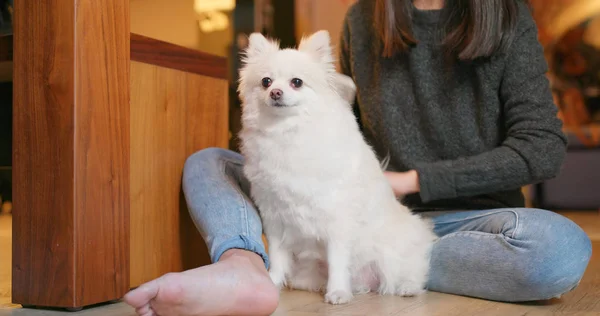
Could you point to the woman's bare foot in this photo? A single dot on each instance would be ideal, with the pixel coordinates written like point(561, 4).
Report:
point(236, 285)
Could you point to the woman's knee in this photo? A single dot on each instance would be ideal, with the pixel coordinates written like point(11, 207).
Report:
point(556, 253)
point(209, 158)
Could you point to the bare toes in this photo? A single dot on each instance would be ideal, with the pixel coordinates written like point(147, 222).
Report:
point(145, 311)
point(140, 298)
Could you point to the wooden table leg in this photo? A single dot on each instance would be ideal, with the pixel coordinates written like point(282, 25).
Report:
point(71, 152)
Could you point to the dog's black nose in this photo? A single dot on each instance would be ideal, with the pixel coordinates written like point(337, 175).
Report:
point(276, 94)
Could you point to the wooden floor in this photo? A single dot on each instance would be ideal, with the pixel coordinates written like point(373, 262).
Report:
point(583, 301)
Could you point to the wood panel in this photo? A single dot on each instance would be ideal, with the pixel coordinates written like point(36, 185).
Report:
point(173, 115)
point(71, 152)
point(152, 51)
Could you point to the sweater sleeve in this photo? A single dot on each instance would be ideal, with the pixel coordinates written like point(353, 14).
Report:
point(534, 147)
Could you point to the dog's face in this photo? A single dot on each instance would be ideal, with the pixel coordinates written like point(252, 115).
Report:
point(288, 81)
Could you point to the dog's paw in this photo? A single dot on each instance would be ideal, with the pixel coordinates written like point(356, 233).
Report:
point(278, 279)
point(410, 290)
point(308, 283)
point(338, 297)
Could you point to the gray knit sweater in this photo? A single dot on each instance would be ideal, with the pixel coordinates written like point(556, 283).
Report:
point(475, 133)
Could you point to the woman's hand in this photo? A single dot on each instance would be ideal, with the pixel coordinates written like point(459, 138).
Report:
point(403, 183)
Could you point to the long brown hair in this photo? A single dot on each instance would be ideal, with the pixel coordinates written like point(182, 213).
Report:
point(471, 28)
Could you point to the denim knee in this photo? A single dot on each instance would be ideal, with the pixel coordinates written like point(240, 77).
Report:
point(209, 160)
point(557, 252)
point(217, 196)
point(209, 156)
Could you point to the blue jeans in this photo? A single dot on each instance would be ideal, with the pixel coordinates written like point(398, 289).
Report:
point(510, 255)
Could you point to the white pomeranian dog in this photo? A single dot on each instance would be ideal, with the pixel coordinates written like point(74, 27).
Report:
point(331, 219)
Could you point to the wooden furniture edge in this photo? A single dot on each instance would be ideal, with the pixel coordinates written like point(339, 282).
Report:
point(155, 52)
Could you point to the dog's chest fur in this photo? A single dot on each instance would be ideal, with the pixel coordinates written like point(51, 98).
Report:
point(297, 180)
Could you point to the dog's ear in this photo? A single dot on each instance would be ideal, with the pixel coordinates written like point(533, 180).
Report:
point(259, 45)
point(318, 45)
point(344, 86)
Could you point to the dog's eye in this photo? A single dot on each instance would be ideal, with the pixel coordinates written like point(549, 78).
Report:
point(266, 82)
point(297, 83)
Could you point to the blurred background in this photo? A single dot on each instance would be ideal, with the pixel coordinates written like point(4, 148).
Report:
point(220, 27)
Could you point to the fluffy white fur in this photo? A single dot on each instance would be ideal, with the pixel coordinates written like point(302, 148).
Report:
point(319, 187)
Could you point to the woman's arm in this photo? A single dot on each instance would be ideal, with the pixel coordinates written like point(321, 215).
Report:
point(534, 147)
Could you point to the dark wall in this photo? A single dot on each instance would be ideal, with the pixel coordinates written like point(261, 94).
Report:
point(5, 140)
point(5, 124)
point(284, 27)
